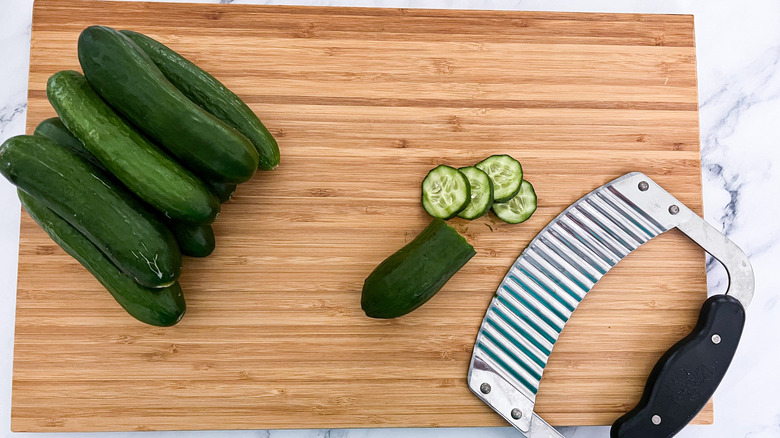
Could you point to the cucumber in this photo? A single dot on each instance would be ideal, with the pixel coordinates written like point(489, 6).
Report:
point(194, 240)
point(130, 82)
point(506, 174)
point(161, 307)
point(223, 191)
point(210, 94)
point(519, 208)
point(139, 165)
point(411, 276)
point(55, 130)
point(445, 192)
point(106, 213)
point(481, 193)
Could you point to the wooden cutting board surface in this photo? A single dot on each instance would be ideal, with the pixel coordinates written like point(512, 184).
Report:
point(364, 102)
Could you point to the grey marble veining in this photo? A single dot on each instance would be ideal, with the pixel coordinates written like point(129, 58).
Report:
point(738, 55)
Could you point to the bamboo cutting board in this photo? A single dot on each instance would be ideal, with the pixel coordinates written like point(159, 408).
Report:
point(364, 102)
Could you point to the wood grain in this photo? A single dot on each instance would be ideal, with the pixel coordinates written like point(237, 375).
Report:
point(363, 103)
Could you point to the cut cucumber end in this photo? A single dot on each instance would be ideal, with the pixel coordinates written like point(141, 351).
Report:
point(506, 173)
point(445, 192)
point(520, 207)
point(481, 196)
point(414, 274)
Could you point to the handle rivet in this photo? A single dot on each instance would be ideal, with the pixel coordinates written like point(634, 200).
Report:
point(485, 388)
point(716, 339)
point(517, 414)
point(643, 186)
point(656, 419)
point(673, 209)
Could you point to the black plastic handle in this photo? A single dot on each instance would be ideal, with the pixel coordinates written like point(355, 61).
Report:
point(687, 375)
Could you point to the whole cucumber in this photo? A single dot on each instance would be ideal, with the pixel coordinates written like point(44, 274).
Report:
point(195, 240)
point(130, 81)
point(106, 213)
point(161, 307)
point(211, 95)
point(132, 159)
point(413, 275)
point(55, 130)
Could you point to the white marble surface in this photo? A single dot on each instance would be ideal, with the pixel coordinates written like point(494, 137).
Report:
point(738, 50)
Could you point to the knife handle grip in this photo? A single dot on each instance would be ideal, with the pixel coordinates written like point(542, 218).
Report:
point(687, 375)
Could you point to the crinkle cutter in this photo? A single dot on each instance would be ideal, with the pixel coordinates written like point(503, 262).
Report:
point(553, 274)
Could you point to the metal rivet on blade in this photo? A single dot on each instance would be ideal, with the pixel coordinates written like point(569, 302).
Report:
point(673, 209)
point(656, 419)
point(716, 339)
point(643, 186)
point(517, 414)
point(485, 388)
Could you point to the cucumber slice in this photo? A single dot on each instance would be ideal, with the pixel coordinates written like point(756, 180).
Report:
point(506, 174)
point(481, 193)
point(519, 208)
point(445, 192)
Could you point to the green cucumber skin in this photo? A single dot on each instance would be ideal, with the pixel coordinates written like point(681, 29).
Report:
point(194, 240)
point(129, 81)
point(106, 213)
point(415, 273)
point(223, 191)
point(507, 199)
point(132, 159)
point(162, 307)
point(55, 130)
point(210, 94)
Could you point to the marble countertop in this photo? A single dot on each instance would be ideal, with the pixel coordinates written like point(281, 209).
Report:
point(738, 53)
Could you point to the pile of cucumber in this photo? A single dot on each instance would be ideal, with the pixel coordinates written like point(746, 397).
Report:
point(470, 192)
point(131, 174)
